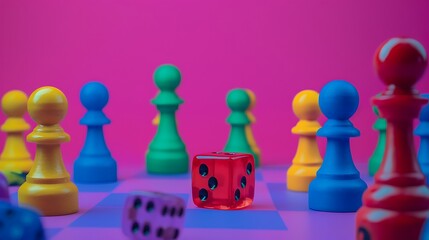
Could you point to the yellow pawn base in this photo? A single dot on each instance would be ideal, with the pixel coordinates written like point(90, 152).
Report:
point(50, 199)
point(299, 177)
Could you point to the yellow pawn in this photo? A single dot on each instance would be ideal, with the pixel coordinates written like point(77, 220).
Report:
point(155, 120)
point(48, 187)
point(307, 159)
point(15, 156)
point(248, 129)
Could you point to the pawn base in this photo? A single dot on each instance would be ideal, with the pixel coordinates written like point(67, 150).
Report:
point(377, 223)
point(299, 177)
point(95, 170)
point(167, 162)
point(50, 199)
point(336, 195)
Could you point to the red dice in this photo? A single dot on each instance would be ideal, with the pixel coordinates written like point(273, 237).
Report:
point(223, 180)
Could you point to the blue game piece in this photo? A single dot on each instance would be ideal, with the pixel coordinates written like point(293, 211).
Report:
point(422, 130)
point(95, 163)
point(19, 223)
point(337, 186)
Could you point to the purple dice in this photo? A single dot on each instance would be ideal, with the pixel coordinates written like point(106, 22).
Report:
point(152, 215)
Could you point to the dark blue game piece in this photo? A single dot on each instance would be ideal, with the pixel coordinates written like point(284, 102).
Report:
point(422, 130)
point(19, 223)
point(4, 188)
point(95, 163)
point(337, 186)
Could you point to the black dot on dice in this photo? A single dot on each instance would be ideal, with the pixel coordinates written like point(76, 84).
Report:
point(135, 227)
point(204, 170)
point(249, 168)
point(203, 194)
point(150, 206)
point(243, 182)
point(146, 229)
point(180, 213)
point(160, 232)
point(137, 203)
point(176, 233)
point(237, 195)
point(164, 210)
point(212, 183)
point(172, 212)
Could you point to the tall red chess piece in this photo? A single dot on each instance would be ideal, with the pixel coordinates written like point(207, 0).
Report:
point(396, 206)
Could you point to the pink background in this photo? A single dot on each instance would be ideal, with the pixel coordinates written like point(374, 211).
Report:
point(274, 47)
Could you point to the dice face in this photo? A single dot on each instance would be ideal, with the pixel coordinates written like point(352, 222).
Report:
point(19, 223)
point(222, 180)
point(150, 215)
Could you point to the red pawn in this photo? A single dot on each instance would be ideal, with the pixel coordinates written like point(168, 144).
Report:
point(397, 205)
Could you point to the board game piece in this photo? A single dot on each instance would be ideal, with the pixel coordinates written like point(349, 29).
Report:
point(167, 153)
point(222, 180)
point(155, 120)
point(4, 188)
point(249, 133)
point(307, 159)
point(19, 223)
point(15, 178)
point(337, 186)
point(380, 125)
point(48, 187)
point(238, 101)
point(15, 156)
point(95, 163)
point(422, 130)
point(396, 205)
point(153, 215)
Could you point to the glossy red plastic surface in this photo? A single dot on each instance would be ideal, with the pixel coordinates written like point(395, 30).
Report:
point(223, 180)
point(397, 205)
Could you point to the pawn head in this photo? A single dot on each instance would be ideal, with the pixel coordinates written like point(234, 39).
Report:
point(306, 105)
point(400, 62)
point(14, 103)
point(238, 100)
point(252, 99)
point(47, 106)
point(339, 100)
point(94, 96)
point(424, 113)
point(167, 77)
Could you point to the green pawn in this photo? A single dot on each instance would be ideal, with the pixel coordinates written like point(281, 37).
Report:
point(167, 152)
point(377, 157)
point(238, 101)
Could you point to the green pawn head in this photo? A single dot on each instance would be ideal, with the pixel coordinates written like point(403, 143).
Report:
point(167, 78)
point(238, 101)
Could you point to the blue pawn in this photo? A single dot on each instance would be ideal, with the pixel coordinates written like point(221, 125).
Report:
point(95, 163)
point(337, 186)
point(19, 223)
point(422, 130)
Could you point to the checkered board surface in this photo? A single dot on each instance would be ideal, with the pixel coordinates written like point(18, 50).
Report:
point(275, 213)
